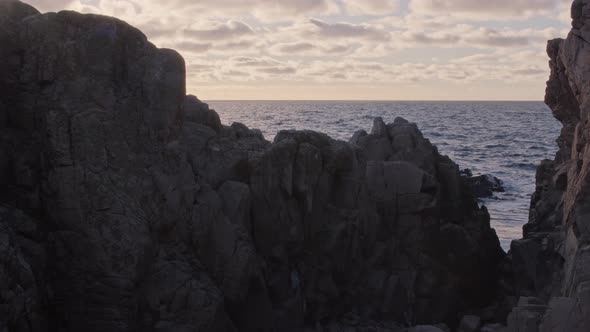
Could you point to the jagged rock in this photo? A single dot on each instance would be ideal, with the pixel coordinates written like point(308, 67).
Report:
point(110, 112)
point(199, 112)
point(236, 203)
point(21, 302)
point(185, 300)
point(469, 323)
point(425, 328)
point(379, 127)
point(485, 185)
point(493, 328)
point(551, 262)
point(466, 172)
point(144, 212)
point(560, 315)
point(526, 316)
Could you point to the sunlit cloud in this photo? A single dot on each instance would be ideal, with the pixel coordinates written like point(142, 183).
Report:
point(372, 7)
point(482, 9)
point(324, 44)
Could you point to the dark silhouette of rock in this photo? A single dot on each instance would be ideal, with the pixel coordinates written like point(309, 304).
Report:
point(551, 264)
point(485, 185)
point(466, 172)
point(128, 206)
point(469, 323)
point(199, 112)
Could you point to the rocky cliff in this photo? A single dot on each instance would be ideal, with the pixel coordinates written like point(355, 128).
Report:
point(127, 206)
point(552, 261)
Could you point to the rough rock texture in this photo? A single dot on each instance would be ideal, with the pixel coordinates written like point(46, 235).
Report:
point(484, 185)
point(552, 262)
point(128, 206)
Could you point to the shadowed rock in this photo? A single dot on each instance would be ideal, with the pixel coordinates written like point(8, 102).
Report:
point(485, 185)
point(552, 263)
point(128, 205)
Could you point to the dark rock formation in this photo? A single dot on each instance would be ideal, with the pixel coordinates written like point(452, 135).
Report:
point(552, 263)
point(128, 206)
point(485, 185)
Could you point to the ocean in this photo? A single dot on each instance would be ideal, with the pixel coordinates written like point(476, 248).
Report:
point(505, 139)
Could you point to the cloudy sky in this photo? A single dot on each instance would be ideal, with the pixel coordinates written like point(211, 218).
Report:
point(350, 49)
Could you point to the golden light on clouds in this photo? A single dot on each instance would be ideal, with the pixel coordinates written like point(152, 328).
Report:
point(350, 49)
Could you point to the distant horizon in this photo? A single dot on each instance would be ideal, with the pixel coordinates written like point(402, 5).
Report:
point(377, 100)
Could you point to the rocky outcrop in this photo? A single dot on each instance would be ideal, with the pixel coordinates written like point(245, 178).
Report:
point(552, 262)
point(483, 185)
point(128, 206)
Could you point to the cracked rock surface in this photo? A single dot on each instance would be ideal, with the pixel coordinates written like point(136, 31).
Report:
point(127, 205)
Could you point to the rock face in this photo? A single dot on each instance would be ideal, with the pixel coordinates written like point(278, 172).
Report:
point(552, 262)
point(128, 206)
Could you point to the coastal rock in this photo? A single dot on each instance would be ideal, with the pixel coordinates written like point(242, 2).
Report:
point(129, 206)
point(425, 328)
point(493, 328)
point(199, 112)
point(551, 262)
point(469, 323)
point(485, 185)
point(21, 301)
point(97, 128)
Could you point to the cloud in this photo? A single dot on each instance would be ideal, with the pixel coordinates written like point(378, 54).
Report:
point(193, 46)
point(242, 45)
point(219, 31)
point(466, 35)
point(298, 47)
point(484, 9)
point(265, 10)
point(277, 70)
point(495, 38)
point(261, 10)
point(477, 58)
point(343, 43)
point(243, 61)
point(50, 5)
point(531, 71)
point(325, 30)
point(237, 73)
point(371, 7)
point(564, 13)
point(195, 67)
point(210, 48)
point(430, 38)
point(310, 49)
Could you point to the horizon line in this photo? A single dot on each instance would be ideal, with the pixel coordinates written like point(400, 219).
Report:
point(381, 100)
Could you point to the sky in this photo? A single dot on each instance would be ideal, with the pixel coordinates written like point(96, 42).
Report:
point(350, 49)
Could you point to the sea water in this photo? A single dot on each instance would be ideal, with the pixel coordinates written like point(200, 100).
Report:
point(505, 139)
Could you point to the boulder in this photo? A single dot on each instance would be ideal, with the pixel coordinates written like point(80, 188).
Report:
point(469, 323)
point(527, 315)
point(493, 328)
point(485, 185)
point(379, 127)
point(199, 112)
point(425, 328)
